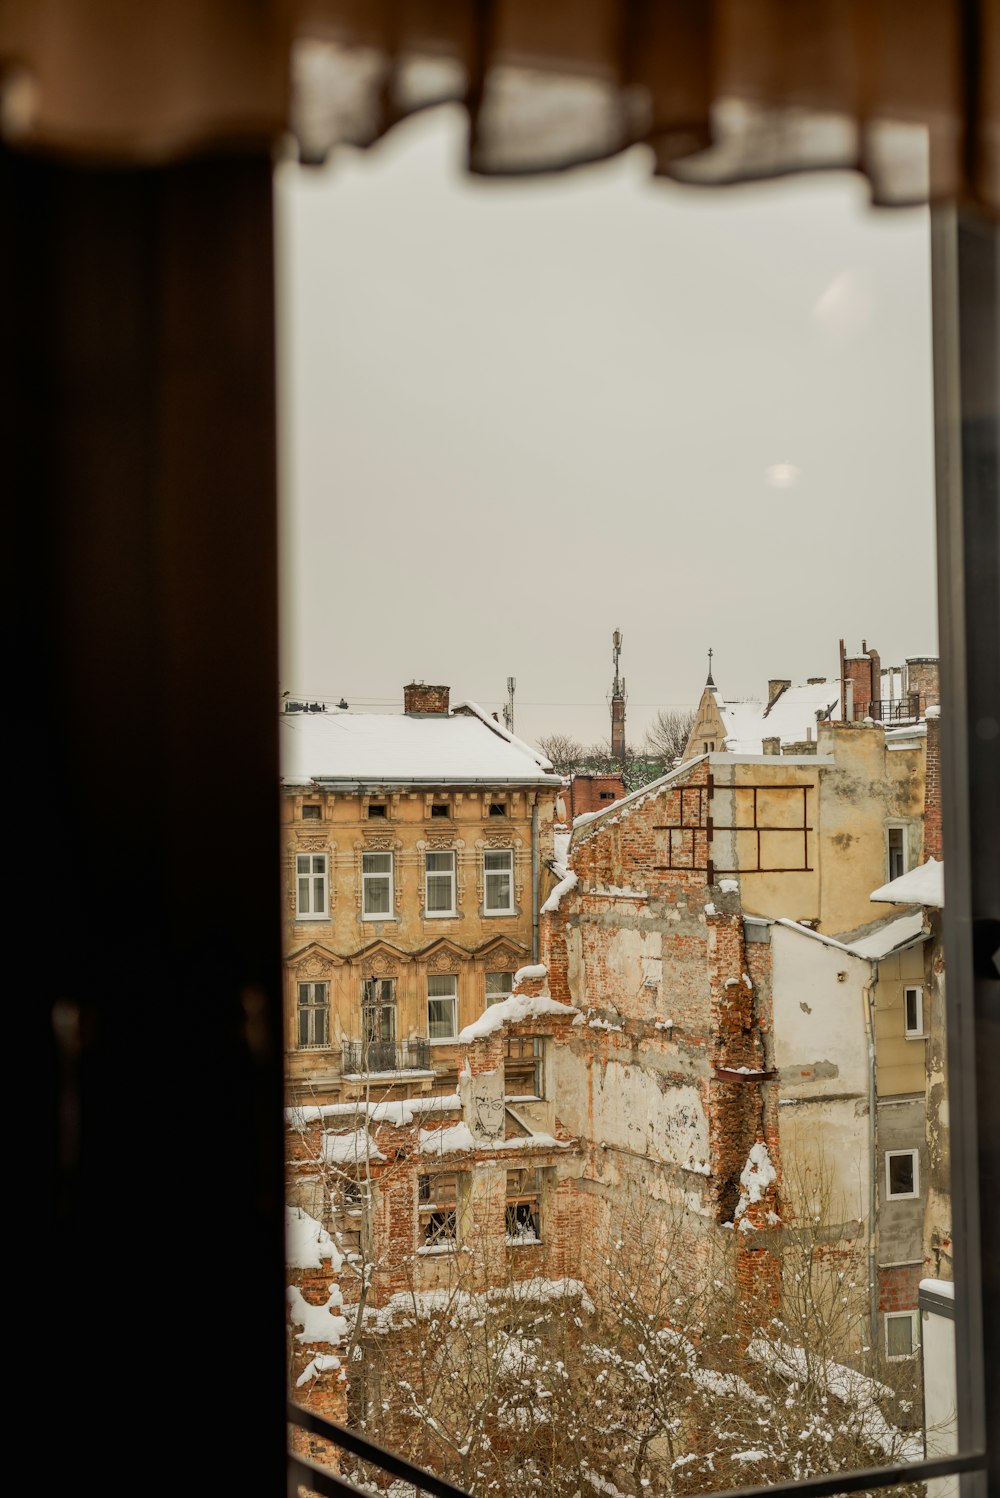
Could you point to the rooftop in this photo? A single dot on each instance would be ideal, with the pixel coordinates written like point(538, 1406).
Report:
point(791, 714)
point(463, 747)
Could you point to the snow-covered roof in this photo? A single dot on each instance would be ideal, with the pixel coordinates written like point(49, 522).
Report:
point(920, 886)
point(893, 934)
point(464, 747)
point(794, 711)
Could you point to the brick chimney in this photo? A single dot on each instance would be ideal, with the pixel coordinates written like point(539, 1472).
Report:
point(775, 687)
point(423, 701)
point(923, 680)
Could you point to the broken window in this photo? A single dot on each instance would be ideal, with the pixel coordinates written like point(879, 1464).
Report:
point(348, 1199)
point(524, 1206)
point(523, 1066)
point(437, 1210)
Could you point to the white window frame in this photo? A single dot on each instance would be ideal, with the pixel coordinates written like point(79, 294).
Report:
point(450, 874)
point(315, 884)
point(914, 1319)
point(488, 874)
point(917, 1032)
point(379, 876)
point(901, 828)
point(438, 998)
point(501, 994)
point(902, 1196)
point(315, 1006)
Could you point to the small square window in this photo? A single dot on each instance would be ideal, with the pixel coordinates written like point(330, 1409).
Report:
point(902, 1174)
point(441, 809)
point(606, 795)
point(913, 1009)
point(377, 809)
point(312, 813)
point(498, 809)
point(901, 1334)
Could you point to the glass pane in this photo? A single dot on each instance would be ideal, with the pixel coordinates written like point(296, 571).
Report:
point(302, 863)
point(497, 860)
point(498, 892)
point(440, 862)
point(304, 906)
point(439, 985)
point(899, 1336)
point(440, 1018)
point(900, 1175)
point(377, 901)
point(439, 892)
point(377, 863)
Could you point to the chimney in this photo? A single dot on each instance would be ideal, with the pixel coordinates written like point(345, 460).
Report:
point(876, 678)
point(922, 681)
point(772, 745)
point(775, 687)
point(815, 681)
point(421, 701)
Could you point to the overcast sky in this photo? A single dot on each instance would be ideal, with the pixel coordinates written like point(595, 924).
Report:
point(519, 416)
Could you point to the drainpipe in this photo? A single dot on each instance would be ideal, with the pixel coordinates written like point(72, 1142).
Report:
point(869, 992)
point(534, 880)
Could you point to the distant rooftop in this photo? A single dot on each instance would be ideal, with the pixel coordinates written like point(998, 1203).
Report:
point(923, 885)
point(792, 716)
point(465, 746)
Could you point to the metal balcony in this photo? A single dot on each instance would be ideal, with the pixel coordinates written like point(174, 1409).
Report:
point(360, 1056)
point(893, 709)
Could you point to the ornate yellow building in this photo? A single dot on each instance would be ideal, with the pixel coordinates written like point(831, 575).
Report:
point(417, 848)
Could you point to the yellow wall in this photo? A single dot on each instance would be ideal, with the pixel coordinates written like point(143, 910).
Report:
point(900, 1062)
point(847, 805)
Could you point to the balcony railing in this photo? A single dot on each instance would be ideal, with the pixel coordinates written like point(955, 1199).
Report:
point(893, 709)
point(386, 1055)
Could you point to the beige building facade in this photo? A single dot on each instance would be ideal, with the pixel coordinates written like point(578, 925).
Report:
point(416, 853)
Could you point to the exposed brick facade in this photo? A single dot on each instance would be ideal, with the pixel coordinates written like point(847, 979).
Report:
point(593, 792)
point(418, 698)
point(933, 845)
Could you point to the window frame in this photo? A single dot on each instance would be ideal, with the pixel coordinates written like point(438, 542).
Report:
point(904, 853)
point(451, 875)
point(430, 1205)
point(914, 1319)
point(369, 878)
point(492, 910)
point(439, 998)
point(902, 1196)
point(313, 1009)
point(918, 1032)
point(314, 879)
point(497, 998)
point(380, 1006)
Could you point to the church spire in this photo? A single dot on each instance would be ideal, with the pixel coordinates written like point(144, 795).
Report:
point(708, 681)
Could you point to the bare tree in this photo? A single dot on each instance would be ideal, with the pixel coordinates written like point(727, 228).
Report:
point(564, 752)
point(667, 735)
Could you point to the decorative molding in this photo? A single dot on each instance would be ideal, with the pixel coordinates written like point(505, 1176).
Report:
point(315, 967)
point(311, 842)
point(443, 961)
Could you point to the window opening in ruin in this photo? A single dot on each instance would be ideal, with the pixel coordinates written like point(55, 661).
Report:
point(437, 1207)
point(376, 885)
point(442, 1006)
point(439, 883)
point(310, 886)
point(902, 1174)
point(524, 1066)
point(313, 1011)
point(523, 1209)
point(347, 1213)
point(913, 1001)
point(499, 986)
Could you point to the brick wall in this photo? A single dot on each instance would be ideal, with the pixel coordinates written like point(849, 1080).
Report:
point(593, 793)
point(933, 846)
point(898, 1286)
point(418, 698)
